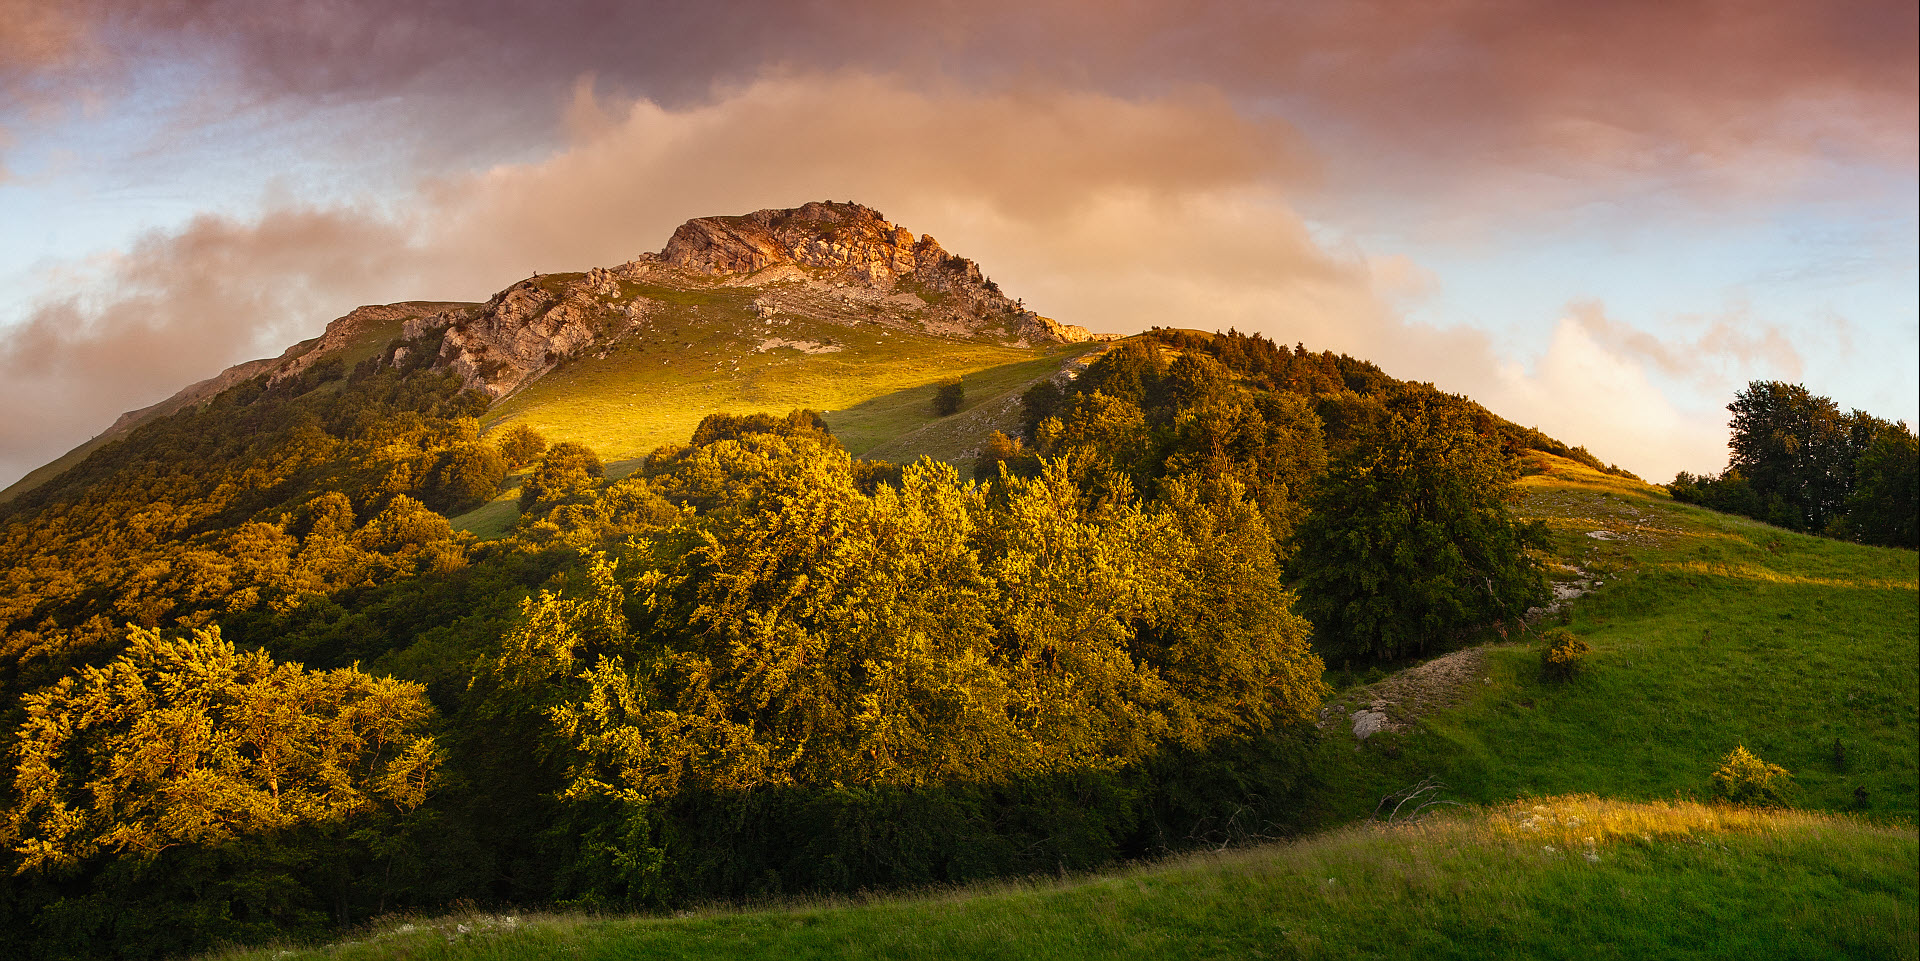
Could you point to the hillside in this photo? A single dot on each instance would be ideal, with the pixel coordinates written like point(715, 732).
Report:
point(1588, 838)
point(827, 306)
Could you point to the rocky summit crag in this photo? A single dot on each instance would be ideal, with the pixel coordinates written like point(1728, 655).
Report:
point(822, 261)
point(842, 263)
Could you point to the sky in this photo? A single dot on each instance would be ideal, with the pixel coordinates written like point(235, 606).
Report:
point(1602, 220)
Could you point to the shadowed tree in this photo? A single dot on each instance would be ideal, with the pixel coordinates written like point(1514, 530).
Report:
point(949, 397)
point(1410, 538)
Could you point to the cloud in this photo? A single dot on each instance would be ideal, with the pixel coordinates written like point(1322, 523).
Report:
point(1732, 342)
point(1585, 393)
point(1456, 95)
point(177, 308)
point(1118, 213)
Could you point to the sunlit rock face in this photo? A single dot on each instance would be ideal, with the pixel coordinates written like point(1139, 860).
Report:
point(840, 262)
point(851, 244)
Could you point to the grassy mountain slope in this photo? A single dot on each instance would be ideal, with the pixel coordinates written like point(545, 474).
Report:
point(710, 352)
point(1708, 632)
point(873, 384)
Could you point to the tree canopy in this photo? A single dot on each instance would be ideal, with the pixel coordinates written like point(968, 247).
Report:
point(1800, 463)
point(189, 741)
point(1410, 538)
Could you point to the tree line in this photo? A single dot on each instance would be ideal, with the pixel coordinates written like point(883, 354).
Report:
point(1798, 462)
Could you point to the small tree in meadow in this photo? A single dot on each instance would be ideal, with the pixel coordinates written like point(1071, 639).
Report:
point(520, 445)
point(948, 398)
point(1745, 779)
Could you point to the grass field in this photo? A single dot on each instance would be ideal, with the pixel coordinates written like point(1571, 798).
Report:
point(1559, 878)
point(1708, 632)
point(702, 355)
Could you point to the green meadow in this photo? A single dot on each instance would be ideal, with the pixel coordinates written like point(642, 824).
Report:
point(1564, 878)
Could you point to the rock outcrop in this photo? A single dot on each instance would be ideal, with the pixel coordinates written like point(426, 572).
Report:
point(850, 243)
point(528, 329)
point(345, 332)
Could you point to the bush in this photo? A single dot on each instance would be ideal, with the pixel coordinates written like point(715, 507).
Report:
point(1745, 779)
point(520, 445)
point(949, 397)
point(1562, 653)
point(466, 477)
point(566, 470)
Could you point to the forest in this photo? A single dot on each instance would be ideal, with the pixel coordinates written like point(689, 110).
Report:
point(257, 684)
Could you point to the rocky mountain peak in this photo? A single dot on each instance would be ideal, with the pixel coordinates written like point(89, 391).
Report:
point(848, 242)
point(839, 263)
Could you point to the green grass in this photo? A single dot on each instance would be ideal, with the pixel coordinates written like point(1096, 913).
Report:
point(699, 355)
point(1566, 878)
point(1709, 632)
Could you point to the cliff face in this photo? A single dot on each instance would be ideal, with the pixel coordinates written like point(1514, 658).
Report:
point(846, 242)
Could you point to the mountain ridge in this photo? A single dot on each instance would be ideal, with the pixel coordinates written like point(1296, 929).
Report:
point(843, 264)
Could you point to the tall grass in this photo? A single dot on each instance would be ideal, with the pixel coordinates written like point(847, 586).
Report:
point(1573, 877)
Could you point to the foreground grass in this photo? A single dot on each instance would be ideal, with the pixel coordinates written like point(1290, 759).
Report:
point(1566, 877)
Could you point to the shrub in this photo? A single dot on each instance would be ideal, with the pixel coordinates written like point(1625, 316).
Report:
point(1745, 779)
point(566, 470)
point(466, 477)
point(520, 445)
point(1562, 653)
point(948, 398)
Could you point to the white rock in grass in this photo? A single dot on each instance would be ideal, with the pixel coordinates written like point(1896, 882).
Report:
point(1368, 723)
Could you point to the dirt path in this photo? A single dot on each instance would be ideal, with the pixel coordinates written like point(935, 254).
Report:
point(1395, 703)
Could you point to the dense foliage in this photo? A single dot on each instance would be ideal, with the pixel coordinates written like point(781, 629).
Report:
point(191, 742)
point(1799, 463)
point(1410, 539)
point(755, 665)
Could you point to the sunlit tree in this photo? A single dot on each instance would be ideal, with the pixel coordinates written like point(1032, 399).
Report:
point(191, 742)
